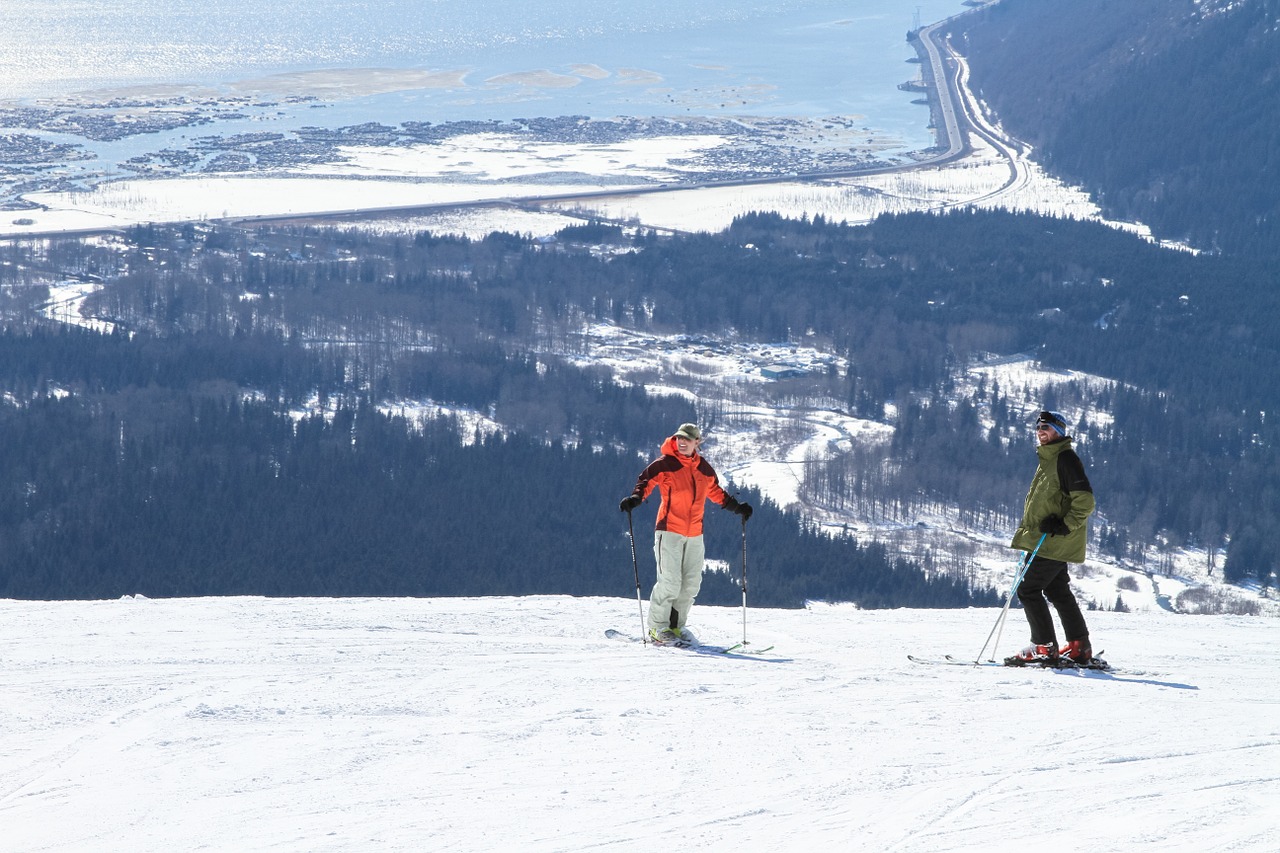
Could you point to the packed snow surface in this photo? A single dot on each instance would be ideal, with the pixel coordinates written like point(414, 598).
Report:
point(485, 724)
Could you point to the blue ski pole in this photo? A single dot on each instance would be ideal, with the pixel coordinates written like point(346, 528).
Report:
point(1008, 600)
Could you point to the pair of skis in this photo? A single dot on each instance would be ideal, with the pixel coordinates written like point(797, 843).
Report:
point(743, 648)
point(1096, 665)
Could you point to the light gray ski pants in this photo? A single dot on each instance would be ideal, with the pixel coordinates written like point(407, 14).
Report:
point(680, 560)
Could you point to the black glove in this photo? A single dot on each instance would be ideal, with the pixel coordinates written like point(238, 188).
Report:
point(1054, 526)
point(630, 502)
point(744, 510)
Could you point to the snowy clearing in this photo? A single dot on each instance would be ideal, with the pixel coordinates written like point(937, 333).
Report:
point(513, 724)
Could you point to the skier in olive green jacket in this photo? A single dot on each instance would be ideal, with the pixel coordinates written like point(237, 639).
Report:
point(1058, 505)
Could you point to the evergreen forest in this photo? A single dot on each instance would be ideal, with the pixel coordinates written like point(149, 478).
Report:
point(239, 429)
point(1165, 109)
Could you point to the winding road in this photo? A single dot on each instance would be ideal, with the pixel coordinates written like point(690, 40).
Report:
point(960, 111)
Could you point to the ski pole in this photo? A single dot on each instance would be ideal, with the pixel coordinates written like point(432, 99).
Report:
point(635, 567)
point(1008, 600)
point(743, 645)
point(744, 582)
point(1022, 571)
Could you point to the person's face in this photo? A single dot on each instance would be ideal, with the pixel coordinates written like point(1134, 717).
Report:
point(1045, 433)
point(686, 446)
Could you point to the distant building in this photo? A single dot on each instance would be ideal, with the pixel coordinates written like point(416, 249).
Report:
point(782, 371)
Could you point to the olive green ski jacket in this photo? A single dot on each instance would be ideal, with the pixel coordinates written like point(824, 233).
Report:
point(1059, 488)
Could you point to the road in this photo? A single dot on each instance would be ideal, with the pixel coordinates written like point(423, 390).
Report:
point(960, 109)
point(950, 100)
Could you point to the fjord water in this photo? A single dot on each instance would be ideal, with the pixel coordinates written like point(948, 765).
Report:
point(795, 58)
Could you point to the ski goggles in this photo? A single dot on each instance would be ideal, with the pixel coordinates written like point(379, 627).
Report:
point(1051, 420)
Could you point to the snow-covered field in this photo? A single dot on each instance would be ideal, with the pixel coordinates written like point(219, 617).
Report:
point(496, 170)
point(513, 724)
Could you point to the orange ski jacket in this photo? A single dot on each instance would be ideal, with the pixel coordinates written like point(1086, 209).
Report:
point(685, 483)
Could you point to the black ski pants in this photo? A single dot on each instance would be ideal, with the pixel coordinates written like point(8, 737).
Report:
point(1048, 579)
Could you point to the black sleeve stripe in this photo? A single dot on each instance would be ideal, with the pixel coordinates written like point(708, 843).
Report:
point(1071, 476)
point(654, 468)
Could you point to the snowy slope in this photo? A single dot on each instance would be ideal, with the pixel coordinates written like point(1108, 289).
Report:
point(513, 724)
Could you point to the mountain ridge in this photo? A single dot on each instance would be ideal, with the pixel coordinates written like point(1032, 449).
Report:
point(1164, 110)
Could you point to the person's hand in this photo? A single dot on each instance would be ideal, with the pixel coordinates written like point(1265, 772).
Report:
point(1054, 526)
point(744, 510)
point(630, 502)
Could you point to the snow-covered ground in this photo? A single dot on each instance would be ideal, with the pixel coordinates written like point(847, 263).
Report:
point(497, 170)
point(512, 724)
point(975, 180)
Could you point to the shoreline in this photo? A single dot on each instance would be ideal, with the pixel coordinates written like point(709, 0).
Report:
point(673, 174)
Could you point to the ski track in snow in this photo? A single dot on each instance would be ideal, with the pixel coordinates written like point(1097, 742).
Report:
point(513, 723)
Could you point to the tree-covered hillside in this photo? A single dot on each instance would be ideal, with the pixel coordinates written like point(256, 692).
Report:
point(177, 456)
point(1166, 109)
point(203, 453)
point(177, 491)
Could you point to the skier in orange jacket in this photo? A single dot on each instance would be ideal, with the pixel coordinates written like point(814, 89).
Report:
point(686, 481)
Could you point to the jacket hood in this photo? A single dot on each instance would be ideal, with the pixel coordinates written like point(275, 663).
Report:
point(669, 448)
